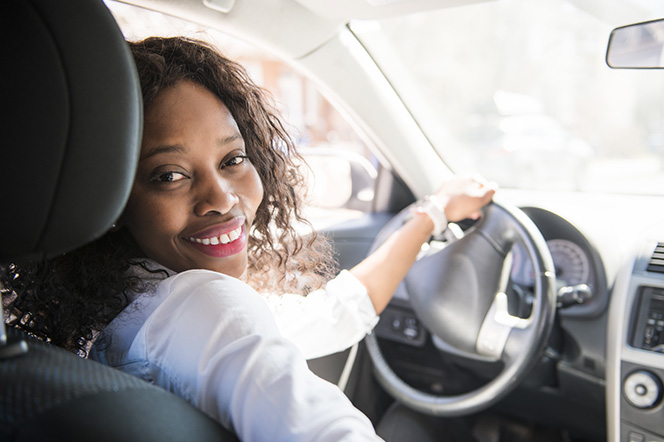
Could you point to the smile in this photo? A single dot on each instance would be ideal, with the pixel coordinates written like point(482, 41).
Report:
point(225, 238)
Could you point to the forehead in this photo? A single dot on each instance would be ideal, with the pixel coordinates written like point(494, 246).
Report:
point(187, 109)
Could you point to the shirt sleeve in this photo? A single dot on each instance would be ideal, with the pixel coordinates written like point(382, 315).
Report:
point(213, 340)
point(328, 320)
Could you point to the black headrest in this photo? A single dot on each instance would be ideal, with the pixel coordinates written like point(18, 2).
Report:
point(72, 118)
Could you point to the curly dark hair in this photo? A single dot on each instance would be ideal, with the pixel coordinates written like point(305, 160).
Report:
point(69, 299)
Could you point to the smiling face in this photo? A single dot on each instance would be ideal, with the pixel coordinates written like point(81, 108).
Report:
point(196, 193)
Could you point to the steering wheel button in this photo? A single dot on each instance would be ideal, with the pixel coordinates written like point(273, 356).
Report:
point(411, 332)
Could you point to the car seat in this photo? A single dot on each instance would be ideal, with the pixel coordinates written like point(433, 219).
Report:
point(71, 117)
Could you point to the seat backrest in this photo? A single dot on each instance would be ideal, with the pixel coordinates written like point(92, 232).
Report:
point(71, 124)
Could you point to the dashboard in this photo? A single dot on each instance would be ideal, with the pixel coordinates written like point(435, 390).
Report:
point(602, 376)
point(634, 336)
point(581, 384)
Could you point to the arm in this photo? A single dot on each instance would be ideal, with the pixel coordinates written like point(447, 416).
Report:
point(382, 271)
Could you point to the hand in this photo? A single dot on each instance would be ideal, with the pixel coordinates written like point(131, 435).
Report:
point(464, 196)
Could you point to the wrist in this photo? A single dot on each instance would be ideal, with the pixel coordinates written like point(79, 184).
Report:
point(434, 208)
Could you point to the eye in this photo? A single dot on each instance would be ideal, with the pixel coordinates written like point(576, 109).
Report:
point(235, 161)
point(168, 177)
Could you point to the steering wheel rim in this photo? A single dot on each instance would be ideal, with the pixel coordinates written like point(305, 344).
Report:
point(523, 341)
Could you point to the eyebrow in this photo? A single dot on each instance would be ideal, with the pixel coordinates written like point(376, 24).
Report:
point(160, 150)
point(179, 149)
point(229, 139)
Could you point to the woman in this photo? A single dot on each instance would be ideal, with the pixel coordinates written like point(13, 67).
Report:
point(212, 207)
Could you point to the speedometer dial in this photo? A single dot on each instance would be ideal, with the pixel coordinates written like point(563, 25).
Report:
point(570, 261)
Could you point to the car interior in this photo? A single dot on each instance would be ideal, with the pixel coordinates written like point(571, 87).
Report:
point(541, 321)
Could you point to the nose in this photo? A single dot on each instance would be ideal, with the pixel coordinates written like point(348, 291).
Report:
point(214, 194)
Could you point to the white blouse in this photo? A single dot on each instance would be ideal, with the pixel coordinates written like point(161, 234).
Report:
point(212, 340)
point(328, 320)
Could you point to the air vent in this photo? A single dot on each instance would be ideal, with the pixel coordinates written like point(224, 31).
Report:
point(656, 263)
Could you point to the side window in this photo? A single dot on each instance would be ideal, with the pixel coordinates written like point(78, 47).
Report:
point(342, 172)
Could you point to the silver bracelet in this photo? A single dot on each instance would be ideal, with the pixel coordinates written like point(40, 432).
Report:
point(433, 207)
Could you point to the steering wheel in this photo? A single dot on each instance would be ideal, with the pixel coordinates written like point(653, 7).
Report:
point(457, 291)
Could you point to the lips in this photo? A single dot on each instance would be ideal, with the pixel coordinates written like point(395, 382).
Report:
point(217, 245)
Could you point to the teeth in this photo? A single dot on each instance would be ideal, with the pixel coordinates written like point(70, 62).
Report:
point(222, 239)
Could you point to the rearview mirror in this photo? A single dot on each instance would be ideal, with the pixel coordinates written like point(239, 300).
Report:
point(637, 46)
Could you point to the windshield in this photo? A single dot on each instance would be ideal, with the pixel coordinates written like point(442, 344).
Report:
point(518, 90)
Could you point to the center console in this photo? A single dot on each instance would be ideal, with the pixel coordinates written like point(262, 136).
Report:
point(635, 371)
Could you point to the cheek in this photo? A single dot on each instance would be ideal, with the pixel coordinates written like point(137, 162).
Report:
point(134, 214)
point(147, 218)
point(259, 192)
point(254, 190)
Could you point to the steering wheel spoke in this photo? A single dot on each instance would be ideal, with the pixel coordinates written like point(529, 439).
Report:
point(497, 328)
